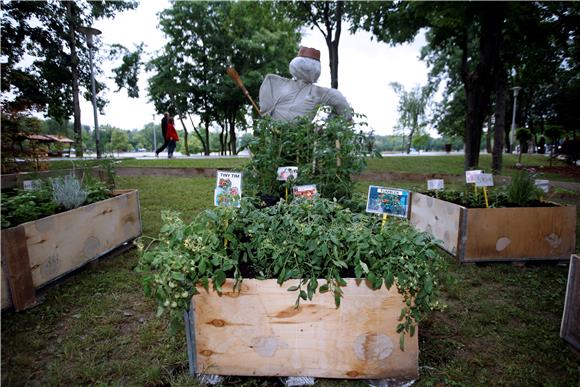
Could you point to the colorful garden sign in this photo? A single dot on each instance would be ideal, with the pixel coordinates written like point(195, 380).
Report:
point(228, 190)
point(435, 184)
point(305, 191)
point(388, 201)
point(285, 173)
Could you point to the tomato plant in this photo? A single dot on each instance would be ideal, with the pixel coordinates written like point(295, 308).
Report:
point(303, 240)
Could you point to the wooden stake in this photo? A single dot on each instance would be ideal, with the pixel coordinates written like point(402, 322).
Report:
point(286, 193)
point(485, 196)
point(384, 221)
point(225, 240)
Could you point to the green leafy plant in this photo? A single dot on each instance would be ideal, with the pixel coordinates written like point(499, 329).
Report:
point(50, 197)
point(303, 241)
point(24, 206)
point(471, 198)
point(326, 153)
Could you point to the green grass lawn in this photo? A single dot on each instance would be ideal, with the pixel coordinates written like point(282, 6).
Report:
point(447, 164)
point(453, 164)
point(96, 327)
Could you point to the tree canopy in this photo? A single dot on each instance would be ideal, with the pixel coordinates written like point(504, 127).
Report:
point(47, 58)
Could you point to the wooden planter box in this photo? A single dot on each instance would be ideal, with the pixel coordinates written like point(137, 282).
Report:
point(497, 234)
point(38, 252)
point(570, 328)
point(258, 332)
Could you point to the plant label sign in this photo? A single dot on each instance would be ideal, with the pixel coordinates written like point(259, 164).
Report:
point(544, 185)
point(484, 180)
point(305, 191)
point(435, 185)
point(470, 176)
point(389, 201)
point(31, 185)
point(228, 191)
point(286, 173)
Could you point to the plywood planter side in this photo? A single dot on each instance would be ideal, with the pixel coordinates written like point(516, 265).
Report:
point(43, 250)
point(259, 332)
point(497, 234)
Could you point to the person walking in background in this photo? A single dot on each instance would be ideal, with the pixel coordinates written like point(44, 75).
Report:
point(164, 132)
point(171, 137)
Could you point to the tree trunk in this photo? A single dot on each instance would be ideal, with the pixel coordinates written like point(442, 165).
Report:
point(207, 149)
point(488, 136)
point(410, 140)
point(75, 80)
point(473, 127)
point(477, 83)
point(500, 114)
point(204, 144)
point(185, 145)
point(331, 43)
point(232, 127)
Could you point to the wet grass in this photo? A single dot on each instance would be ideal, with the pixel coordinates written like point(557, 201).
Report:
point(96, 327)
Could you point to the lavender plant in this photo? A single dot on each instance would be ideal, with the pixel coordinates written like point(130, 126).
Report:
point(67, 192)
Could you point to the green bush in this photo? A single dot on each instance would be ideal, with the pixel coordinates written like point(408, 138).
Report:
point(303, 240)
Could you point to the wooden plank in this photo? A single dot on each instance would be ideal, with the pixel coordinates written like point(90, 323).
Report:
point(63, 242)
point(570, 328)
point(16, 258)
point(259, 332)
point(5, 296)
point(438, 218)
point(544, 233)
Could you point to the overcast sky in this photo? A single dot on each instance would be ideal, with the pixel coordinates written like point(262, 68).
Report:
point(365, 70)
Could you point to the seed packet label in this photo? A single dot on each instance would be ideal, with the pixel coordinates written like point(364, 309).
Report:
point(544, 185)
point(285, 173)
point(435, 184)
point(228, 191)
point(305, 191)
point(31, 185)
point(389, 201)
point(470, 175)
point(484, 180)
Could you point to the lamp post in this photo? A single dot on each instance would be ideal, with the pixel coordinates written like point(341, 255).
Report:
point(154, 135)
point(516, 89)
point(89, 32)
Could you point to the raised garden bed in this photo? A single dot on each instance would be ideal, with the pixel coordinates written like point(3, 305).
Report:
point(258, 331)
point(38, 252)
point(270, 291)
point(570, 328)
point(497, 234)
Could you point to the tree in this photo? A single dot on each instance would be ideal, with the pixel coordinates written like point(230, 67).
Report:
point(473, 29)
point(326, 17)
point(48, 32)
point(412, 110)
point(191, 73)
point(119, 140)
